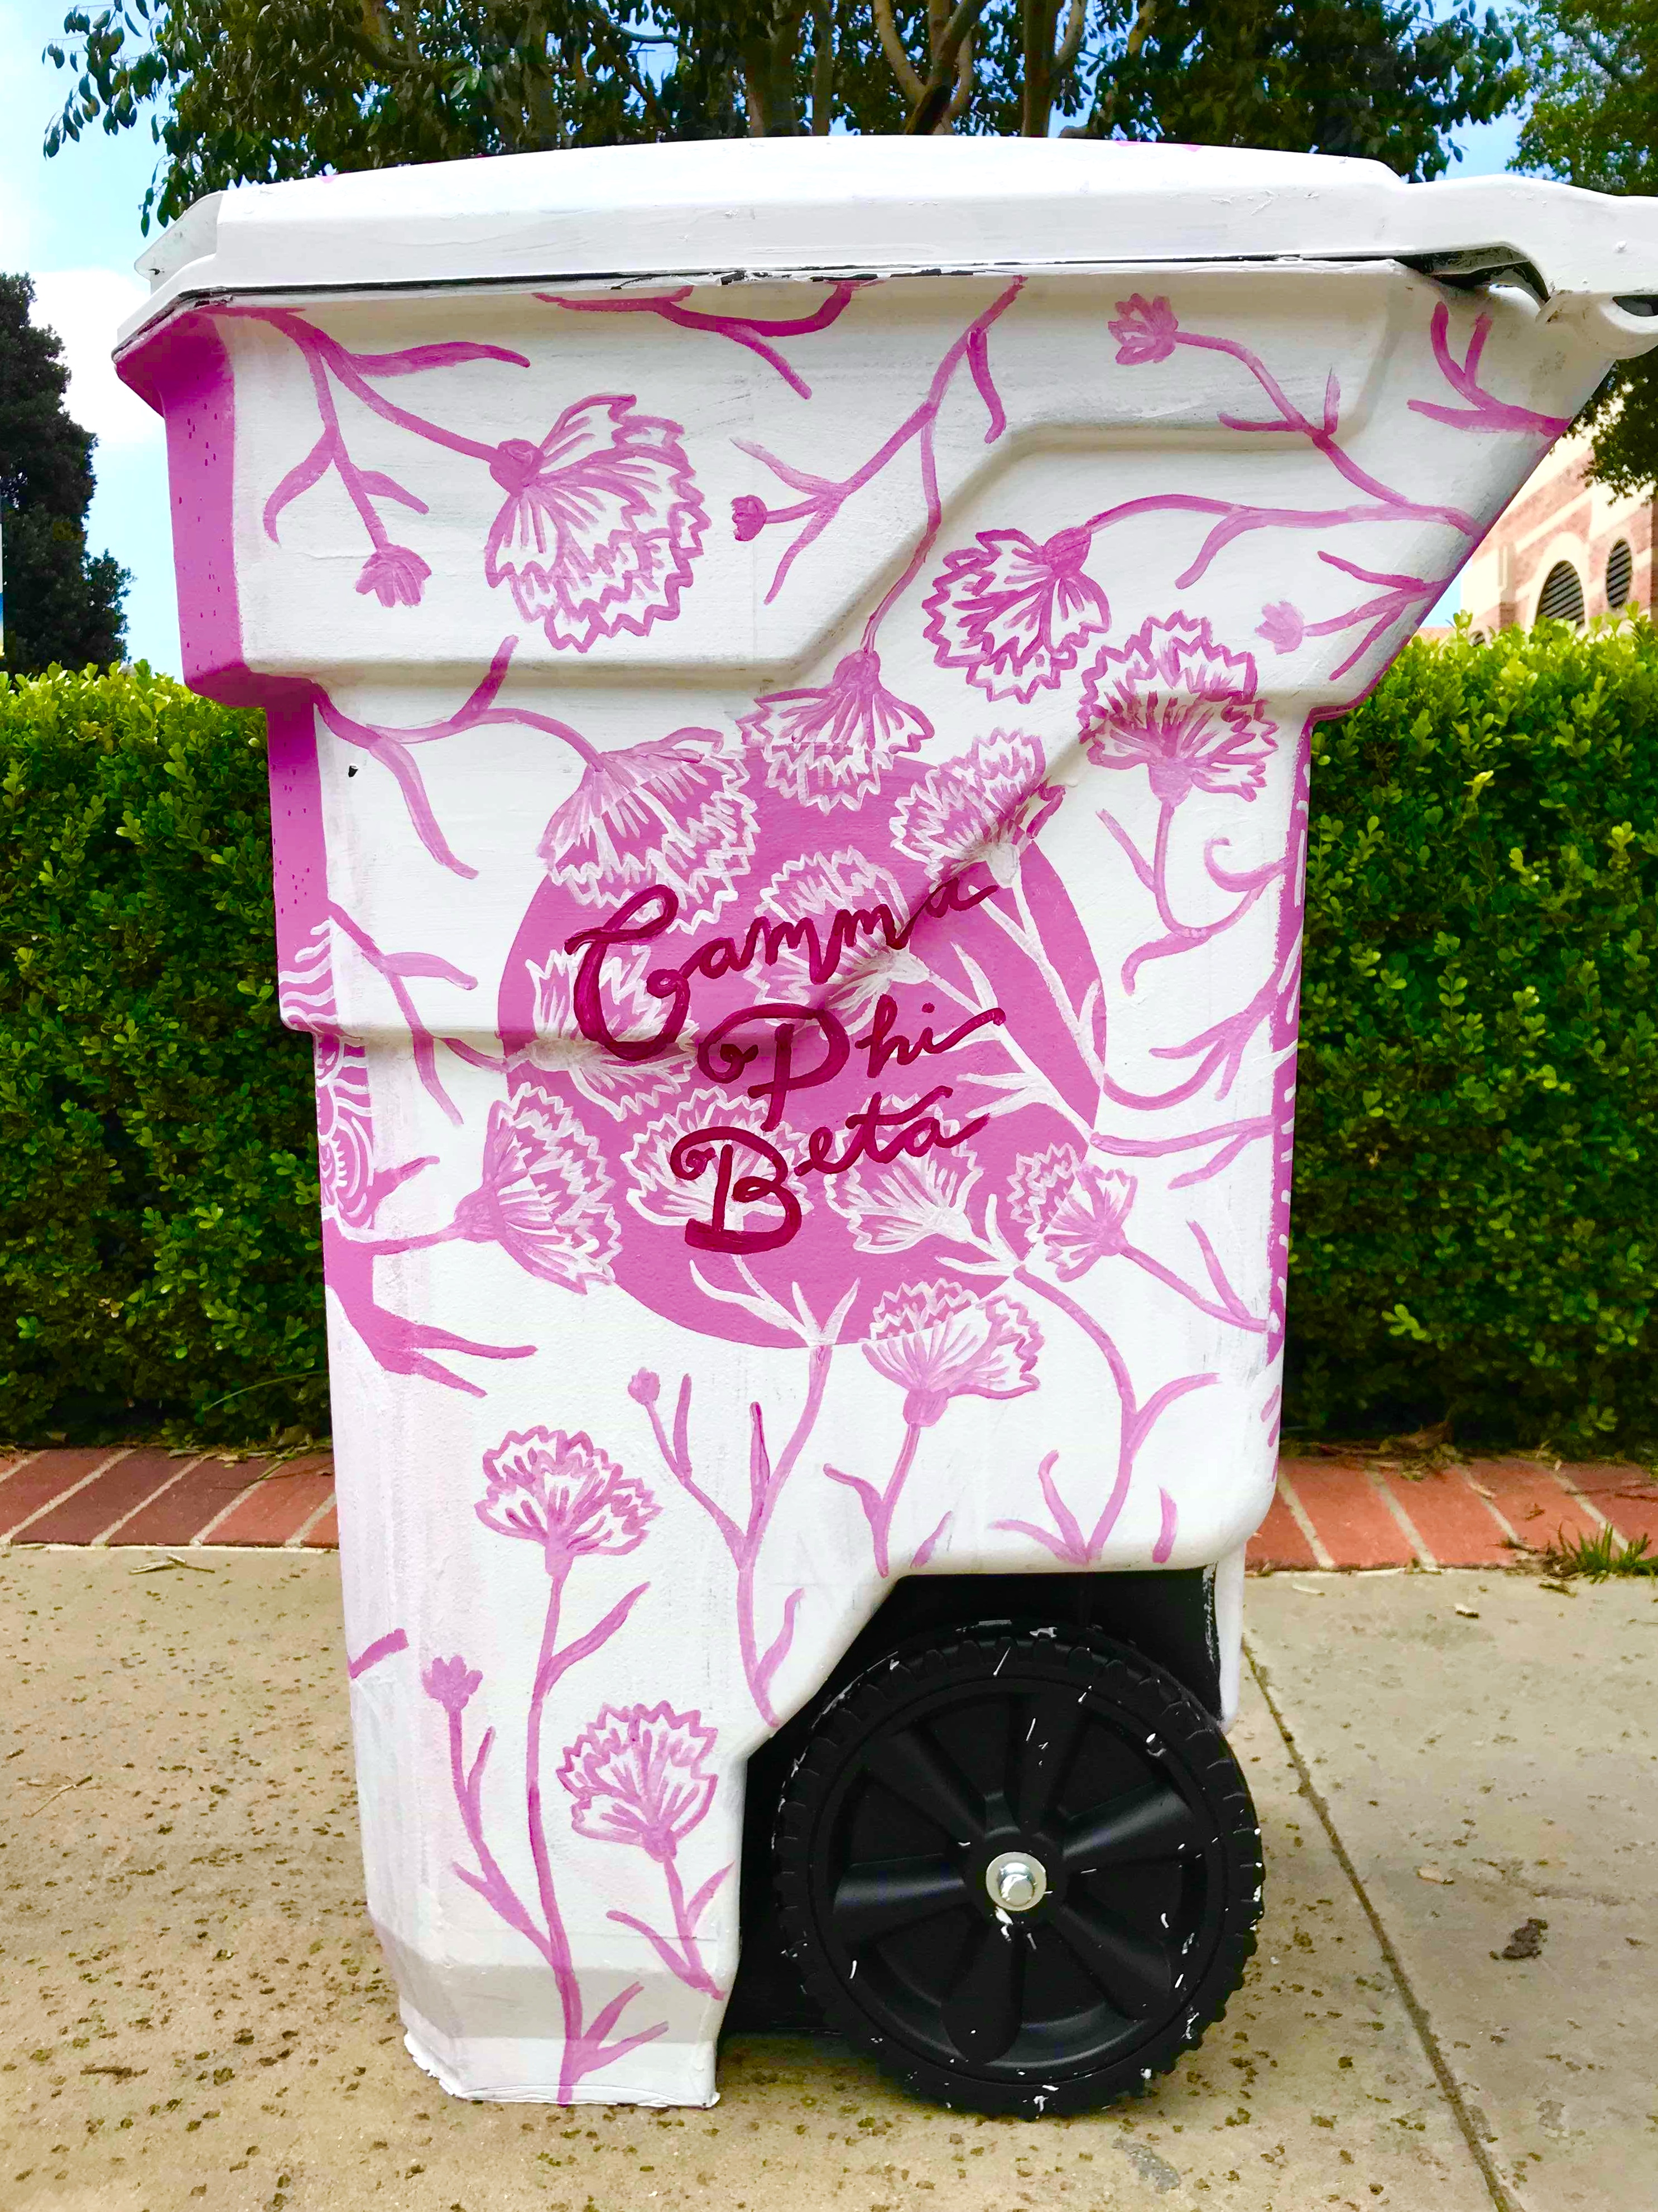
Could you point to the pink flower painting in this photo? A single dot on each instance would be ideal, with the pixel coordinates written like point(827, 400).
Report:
point(602, 524)
point(893, 1209)
point(1145, 330)
point(671, 810)
point(1077, 1211)
point(619, 1087)
point(563, 1492)
point(938, 1341)
point(830, 744)
point(668, 1200)
point(1282, 625)
point(638, 1775)
point(544, 1197)
point(1014, 614)
point(396, 574)
point(345, 1133)
point(451, 1684)
point(1183, 707)
point(984, 806)
point(811, 890)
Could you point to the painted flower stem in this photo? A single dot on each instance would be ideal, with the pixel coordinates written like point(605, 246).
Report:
point(823, 497)
point(1231, 1138)
point(393, 748)
point(880, 1505)
point(490, 1883)
point(1183, 936)
point(1137, 1422)
point(1321, 436)
point(686, 1960)
point(767, 1482)
point(749, 330)
point(1485, 412)
point(393, 968)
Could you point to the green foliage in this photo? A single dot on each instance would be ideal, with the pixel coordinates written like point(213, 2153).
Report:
point(61, 605)
point(158, 1184)
point(254, 91)
point(1478, 1120)
point(1598, 1557)
point(1592, 119)
point(1477, 1117)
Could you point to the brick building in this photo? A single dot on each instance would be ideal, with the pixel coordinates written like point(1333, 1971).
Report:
point(1562, 547)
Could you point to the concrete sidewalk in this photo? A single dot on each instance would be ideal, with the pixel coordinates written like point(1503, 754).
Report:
point(193, 2011)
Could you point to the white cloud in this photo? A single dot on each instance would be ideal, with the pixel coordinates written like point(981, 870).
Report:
point(85, 306)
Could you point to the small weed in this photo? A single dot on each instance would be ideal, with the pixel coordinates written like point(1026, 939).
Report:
point(1598, 1557)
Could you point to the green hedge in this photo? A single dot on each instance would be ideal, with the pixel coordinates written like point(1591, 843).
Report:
point(1478, 1065)
point(1478, 1115)
point(159, 1246)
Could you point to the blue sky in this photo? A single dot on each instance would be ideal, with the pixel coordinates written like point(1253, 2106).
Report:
point(73, 224)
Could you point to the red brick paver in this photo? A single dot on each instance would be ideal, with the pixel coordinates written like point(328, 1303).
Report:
point(126, 1484)
point(1351, 1516)
point(36, 1482)
point(1624, 1495)
point(193, 1505)
point(1335, 1511)
point(1533, 1502)
point(1278, 1541)
point(280, 1506)
point(1456, 1525)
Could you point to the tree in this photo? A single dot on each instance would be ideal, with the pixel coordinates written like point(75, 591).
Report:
point(60, 604)
point(242, 91)
point(1593, 120)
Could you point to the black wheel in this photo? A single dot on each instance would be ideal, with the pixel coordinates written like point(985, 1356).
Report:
point(1024, 1873)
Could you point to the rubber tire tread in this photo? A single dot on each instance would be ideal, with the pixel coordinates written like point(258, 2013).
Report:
point(1150, 1696)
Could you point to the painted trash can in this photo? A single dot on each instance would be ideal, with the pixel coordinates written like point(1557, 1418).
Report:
point(789, 670)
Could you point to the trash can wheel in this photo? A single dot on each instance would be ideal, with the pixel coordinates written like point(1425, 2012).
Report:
point(1023, 1872)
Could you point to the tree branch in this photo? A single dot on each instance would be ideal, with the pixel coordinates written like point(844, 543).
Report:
point(934, 98)
point(909, 83)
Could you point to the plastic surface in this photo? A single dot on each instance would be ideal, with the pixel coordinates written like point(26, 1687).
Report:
point(789, 809)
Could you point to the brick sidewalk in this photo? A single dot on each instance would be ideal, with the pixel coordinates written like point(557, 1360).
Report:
point(1329, 1512)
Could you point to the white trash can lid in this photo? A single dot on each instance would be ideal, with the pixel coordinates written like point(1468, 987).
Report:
point(717, 209)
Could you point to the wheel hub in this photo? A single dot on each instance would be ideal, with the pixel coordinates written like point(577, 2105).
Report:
point(1017, 1880)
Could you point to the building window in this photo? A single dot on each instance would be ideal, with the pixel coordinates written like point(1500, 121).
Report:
point(1562, 595)
point(1620, 573)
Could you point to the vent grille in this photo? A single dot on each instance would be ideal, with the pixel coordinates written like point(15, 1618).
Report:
point(1562, 595)
point(1620, 573)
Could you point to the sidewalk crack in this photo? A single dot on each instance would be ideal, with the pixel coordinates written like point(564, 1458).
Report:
point(1461, 2111)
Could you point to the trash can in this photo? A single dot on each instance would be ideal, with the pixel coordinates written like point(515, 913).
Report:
point(789, 670)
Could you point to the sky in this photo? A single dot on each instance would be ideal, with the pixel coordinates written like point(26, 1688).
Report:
point(73, 223)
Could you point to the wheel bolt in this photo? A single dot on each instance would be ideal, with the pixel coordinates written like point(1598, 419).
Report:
point(1016, 1881)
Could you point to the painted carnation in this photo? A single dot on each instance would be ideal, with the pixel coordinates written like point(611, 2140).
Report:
point(895, 1208)
point(670, 810)
point(1177, 703)
point(830, 744)
point(545, 1196)
point(345, 1132)
point(559, 1049)
point(1015, 614)
point(1144, 330)
point(396, 574)
point(986, 805)
point(563, 1492)
point(602, 523)
point(938, 1341)
point(811, 890)
point(1078, 1212)
point(639, 1775)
